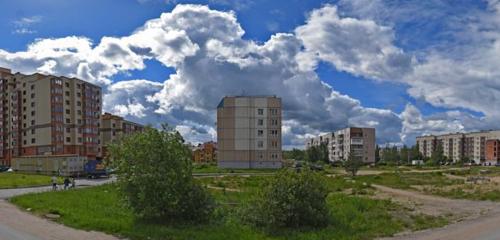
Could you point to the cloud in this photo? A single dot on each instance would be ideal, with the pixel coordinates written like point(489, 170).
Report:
point(211, 59)
point(23, 25)
point(360, 47)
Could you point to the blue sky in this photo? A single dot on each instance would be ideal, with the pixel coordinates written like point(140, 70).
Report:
point(382, 61)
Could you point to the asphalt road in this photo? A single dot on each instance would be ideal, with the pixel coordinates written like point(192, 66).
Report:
point(16, 224)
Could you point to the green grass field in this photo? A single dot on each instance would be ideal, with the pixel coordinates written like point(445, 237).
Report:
point(99, 208)
point(17, 180)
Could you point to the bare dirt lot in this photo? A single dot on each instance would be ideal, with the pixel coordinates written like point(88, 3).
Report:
point(472, 219)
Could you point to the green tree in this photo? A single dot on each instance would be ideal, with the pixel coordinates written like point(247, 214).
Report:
point(405, 155)
point(155, 177)
point(313, 154)
point(353, 164)
point(377, 154)
point(437, 156)
point(289, 200)
point(323, 153)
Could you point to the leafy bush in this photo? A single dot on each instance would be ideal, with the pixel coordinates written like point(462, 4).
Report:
point(290, 199)
point(154, 177)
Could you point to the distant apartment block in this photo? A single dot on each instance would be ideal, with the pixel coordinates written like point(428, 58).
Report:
point(459, 146)
point(112, 128)
point(359, 141)
point(205, 153)
point(249, 132)
point(47, 115)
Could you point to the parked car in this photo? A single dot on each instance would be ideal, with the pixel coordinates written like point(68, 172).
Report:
point(4, 168)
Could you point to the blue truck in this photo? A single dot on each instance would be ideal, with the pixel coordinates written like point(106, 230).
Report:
point(95, 169)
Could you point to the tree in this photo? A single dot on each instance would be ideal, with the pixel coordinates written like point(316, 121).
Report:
point(353, 163)
point(437, 156)
point(323, 152)
point(290, 200)
point(377, 154)
point(155, 177)
point(295, 154)
point(405, 154)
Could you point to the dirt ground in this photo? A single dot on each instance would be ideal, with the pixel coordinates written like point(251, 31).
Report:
point(464, 213)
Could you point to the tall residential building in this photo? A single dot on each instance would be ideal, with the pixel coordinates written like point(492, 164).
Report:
point(47, 115)
point(359, 141)
point(249, 132)
point(458, 146)
point(114, 127)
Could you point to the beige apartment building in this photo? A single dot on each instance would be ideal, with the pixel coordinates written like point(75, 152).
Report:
point(458, 146)
point(341, 143)
point(47, 115)
point(113, 127)
point(249, 132)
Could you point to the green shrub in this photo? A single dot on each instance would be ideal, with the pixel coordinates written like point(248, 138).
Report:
point(155, 180)
point(290, 200)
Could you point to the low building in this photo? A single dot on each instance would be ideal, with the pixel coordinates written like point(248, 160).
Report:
point(340, 144)
point(113, 127)
point(205, 153)
point(62, 165)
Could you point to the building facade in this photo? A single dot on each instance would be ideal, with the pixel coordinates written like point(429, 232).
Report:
point(205, 153)
point(492, 152)
point(113, 127)
point(249, 132)
point(459, 146)
point(340, 144)
point(47, 115)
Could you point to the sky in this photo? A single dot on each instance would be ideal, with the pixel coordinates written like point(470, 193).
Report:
point(404, 67)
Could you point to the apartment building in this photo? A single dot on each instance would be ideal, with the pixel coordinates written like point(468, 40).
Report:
point(359, 141)
point(492, 152)
point(114, 127)
point(249, 132)
point(47, 115)
point(205, 153)
point(458, 146)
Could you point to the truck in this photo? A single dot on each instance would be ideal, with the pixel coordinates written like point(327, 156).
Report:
point(95, 169)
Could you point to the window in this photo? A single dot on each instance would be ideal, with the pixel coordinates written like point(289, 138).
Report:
point(33, 131)
point(78, 86)
point(274, 122)
point(68, 111)
point(66, 84)
point(260, 122)
point(67, 120)
point(68, 130)
point(68, 139)
point(78, 94)
point(32, 113)
point(260, 133)
point(33, 104)
point(260, 144)
point(79, 140)
point(260, 111)
point(33, 140)
point(32, 95)
point(32, 87)
point(67, 93)
point(78, 103)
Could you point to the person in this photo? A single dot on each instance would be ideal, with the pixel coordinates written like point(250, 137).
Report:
point(66, 183)
point(73, 184)
point(54, 183)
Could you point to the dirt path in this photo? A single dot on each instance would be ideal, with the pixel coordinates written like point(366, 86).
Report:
point(19, 225)
point(473, 219)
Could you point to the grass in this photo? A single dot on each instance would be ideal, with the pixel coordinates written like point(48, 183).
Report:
point(99, 208)
point(17, 180)
point(408, 179)
point(212, 168)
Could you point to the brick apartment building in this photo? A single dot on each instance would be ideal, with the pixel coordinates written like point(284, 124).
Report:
point(205, 153)
point(459, 146)
point(114, 127)
point(340, 144)
point(249, 132)
point(47, 115)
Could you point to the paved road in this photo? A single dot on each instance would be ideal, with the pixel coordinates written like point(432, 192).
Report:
point(8, 193)
point(16, 224)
